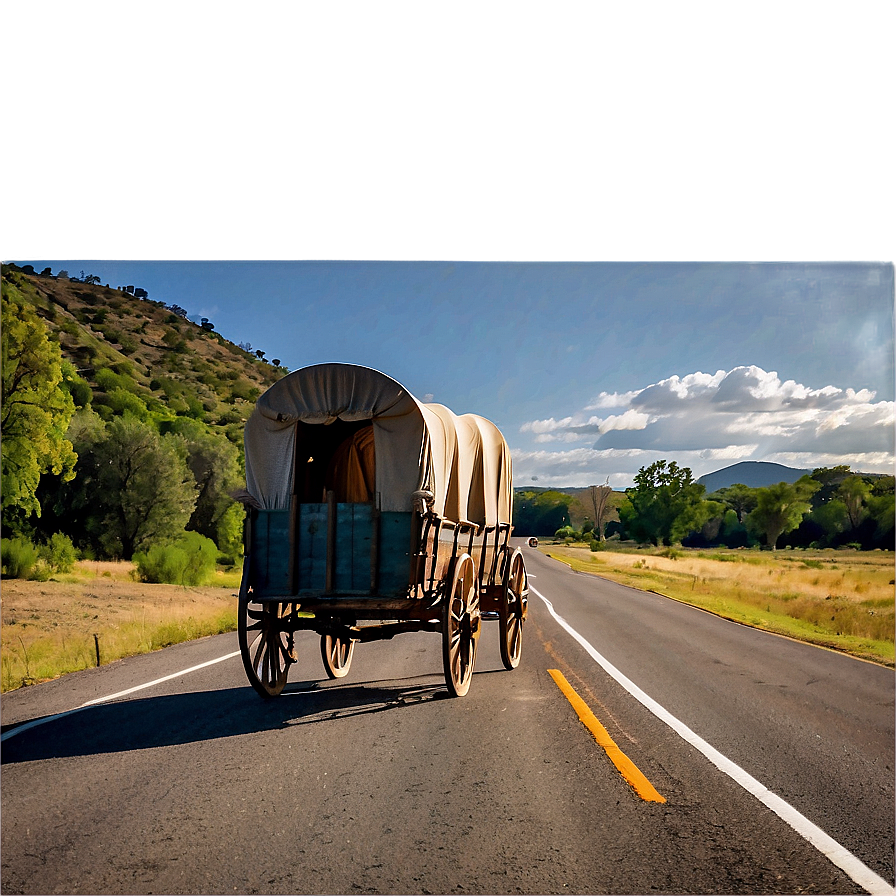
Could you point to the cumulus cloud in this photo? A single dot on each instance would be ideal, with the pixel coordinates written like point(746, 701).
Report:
point(704, 420)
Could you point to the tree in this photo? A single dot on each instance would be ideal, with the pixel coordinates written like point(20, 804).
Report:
point(597, 501)
point(214, 462)
point(832, 517)
point(35, 408)
point(739, 497)
point(144, 488)
point(540, 513)
point(664, 504)
point(830, 479)
point(780, 508)
point(854, 492)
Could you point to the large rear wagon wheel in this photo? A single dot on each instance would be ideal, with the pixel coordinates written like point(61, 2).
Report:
point(266, 644)
point(461, 622)
point(513, 610)
point(336, 653)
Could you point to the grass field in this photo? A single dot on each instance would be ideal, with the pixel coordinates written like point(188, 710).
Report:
point(48, 628)
point(842, 599)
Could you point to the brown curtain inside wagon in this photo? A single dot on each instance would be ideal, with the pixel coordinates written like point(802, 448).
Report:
point(338, 457)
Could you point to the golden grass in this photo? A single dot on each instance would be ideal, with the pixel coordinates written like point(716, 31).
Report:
point(838, 599)
point(48, 628)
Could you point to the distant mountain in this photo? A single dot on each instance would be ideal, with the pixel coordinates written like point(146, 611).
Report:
point(755, 474)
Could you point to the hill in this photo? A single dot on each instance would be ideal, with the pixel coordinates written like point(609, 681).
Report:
point(755, 474)
point(151, 349)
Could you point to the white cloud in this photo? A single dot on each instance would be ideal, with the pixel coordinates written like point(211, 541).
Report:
point(706, 421)
point(611, 400)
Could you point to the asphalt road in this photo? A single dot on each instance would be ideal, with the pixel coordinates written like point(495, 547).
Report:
point(381, 783)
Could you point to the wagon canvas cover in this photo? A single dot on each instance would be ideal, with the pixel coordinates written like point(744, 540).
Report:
point(462, 461)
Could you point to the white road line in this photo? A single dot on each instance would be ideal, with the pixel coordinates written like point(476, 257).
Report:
point(839, 855)
point(60, 715)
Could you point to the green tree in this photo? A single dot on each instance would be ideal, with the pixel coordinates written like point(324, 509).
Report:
point(854, 492)
point(830, 479)
point(739, 497)
point(214, 463)
point(664, 504)
point(35, 409)
point(144, 489)
point(540, 513)
point(833, 517)
point(780, 508)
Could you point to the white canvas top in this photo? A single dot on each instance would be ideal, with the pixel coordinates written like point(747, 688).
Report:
point(462, 460)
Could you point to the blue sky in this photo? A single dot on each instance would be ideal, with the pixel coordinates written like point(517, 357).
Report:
point(507, 151)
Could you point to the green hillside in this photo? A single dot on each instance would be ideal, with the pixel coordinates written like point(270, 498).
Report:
point(173, 365)
point(122, 419)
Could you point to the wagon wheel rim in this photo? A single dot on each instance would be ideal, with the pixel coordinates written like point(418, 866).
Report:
point(461, 624)
point(513, 611)
point(266, 644)
point(336, 653)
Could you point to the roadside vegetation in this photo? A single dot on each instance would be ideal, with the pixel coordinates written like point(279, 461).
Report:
point(841, 599)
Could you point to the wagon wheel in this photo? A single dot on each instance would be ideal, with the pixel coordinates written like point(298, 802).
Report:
point(266, 644)
point(513, 610)
point(336, 653)
point(460, 627)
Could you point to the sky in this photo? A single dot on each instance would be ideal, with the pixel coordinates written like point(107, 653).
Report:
point(622, 232)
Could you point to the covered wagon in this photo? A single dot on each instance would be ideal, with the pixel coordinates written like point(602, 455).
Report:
point(371, 514)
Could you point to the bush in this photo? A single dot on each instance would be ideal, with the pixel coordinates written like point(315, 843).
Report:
point(187, 560)
point(597, 545)
point(18, 557)
point(60, 553)
point(108, 380)
point(123, 402)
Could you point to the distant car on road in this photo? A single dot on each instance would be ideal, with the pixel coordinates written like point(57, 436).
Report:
point(533, 542)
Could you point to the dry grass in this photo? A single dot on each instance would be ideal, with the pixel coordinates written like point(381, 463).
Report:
point(839, 599)
point(48, 628)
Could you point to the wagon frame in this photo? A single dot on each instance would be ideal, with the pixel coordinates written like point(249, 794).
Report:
point(355, 571)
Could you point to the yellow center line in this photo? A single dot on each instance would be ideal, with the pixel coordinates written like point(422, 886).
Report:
point(626, 767)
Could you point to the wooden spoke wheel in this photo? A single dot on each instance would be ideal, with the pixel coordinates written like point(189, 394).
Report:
point(513, 610)
point(266, 643)
point(461, 622)
point(337, 655)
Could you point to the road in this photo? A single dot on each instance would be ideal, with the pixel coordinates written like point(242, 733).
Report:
point(381, 783)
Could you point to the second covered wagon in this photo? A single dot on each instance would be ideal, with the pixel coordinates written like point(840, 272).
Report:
point(372, 514)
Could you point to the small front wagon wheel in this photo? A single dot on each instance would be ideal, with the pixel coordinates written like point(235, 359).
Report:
point(513, 611)
point(461, 622)
point(266, 643)
point(336, 653)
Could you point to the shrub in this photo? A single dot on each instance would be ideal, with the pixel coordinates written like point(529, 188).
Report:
point(108, 380)
point(60, 553)
point(187, 560)
point(18, 557)
point(597, 545)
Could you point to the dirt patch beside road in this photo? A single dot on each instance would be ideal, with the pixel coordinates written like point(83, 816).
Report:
point(48, 628)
